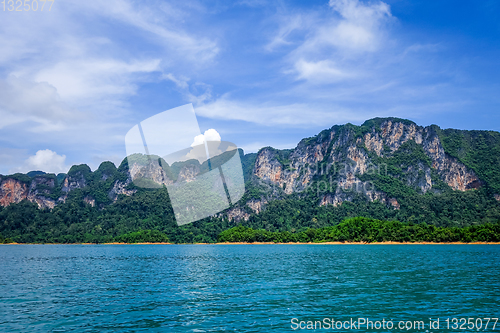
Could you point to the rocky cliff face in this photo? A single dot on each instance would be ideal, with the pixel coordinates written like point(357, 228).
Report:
point(392, 134)
point(14, 191)
point(120, 188)
point(152, 171)
point(74, 182)
point(338, 159)
point(452, 172)
point(39, 191)
point(46, 193)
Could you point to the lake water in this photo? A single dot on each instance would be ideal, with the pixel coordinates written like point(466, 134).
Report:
point(244, 288)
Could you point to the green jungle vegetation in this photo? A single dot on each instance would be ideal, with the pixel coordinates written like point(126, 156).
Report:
point(368, 230)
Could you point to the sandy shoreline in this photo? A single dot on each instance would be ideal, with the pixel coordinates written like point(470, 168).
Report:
point(272, 243)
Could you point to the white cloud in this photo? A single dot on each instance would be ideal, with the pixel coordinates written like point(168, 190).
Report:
point(212, 135)
point(320, 72)
point(209, 135)
point(44, 160)
point(180, 82)
point(199, 149)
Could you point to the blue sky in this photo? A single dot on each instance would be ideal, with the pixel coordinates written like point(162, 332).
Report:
point(74, 80)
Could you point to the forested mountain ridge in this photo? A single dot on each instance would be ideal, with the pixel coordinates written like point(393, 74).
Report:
point(387, 168)
point(385, 160)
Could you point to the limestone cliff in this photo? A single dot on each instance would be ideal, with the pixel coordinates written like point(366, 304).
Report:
point(151, 171)
point(13, 190)
point(335, 161)
point(120, 188)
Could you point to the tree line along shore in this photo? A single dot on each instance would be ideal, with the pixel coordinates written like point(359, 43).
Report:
point(351, 230)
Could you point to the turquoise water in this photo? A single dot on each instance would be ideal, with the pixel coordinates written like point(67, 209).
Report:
point(242, 288)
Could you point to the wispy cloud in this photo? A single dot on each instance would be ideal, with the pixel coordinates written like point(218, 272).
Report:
point(270, 114)
point(329, 48)
point(343, 62)
point(320, 72)
point(79, 79)
point(71, 72)
point(38, 102)
point(161, 21)
point(288, 24)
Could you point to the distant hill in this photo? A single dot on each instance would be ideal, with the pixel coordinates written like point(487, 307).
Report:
point(35, 173)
